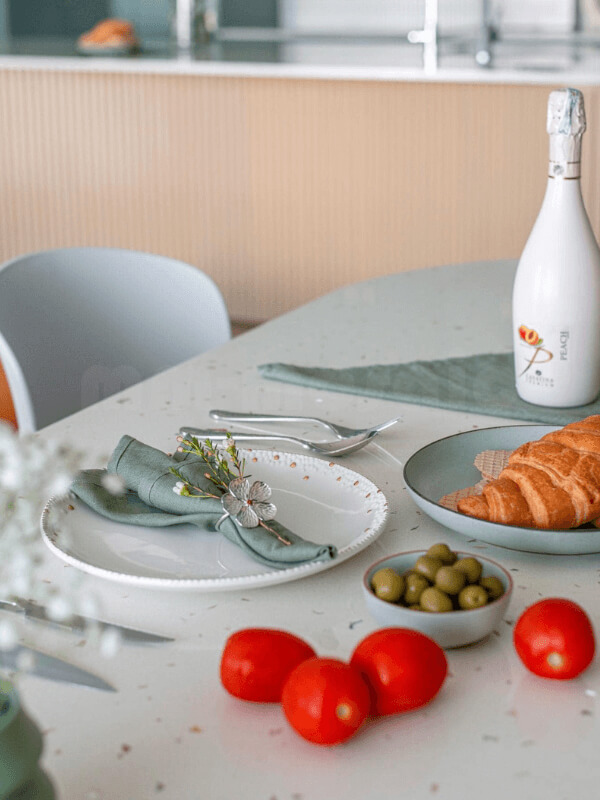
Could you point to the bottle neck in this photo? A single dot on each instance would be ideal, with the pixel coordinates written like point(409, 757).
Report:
point(562, 199)
point(564, 170)
point(565, 157)
point(561, 190)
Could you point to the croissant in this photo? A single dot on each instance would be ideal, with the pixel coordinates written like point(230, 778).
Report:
point(552, 483)
point(109, 33)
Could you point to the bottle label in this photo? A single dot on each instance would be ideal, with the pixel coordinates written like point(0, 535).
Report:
point(533, 357)
point(567, 170)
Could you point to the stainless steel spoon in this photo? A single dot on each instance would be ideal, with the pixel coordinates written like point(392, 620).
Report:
point(341, 431)
point(341, 447)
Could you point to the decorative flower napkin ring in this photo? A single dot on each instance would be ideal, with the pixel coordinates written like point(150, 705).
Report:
point(247, 504)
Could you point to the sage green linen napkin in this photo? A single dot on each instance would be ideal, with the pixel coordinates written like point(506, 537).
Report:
point(150, 501)
point(484, 384)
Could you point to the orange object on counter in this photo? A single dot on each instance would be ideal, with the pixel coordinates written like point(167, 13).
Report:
point(109, 34)
point(7, 409)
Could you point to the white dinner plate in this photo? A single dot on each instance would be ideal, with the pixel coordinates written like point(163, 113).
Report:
point(446, 465)
point(316, 499)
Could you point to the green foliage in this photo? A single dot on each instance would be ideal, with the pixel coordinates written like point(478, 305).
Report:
point(222, 465)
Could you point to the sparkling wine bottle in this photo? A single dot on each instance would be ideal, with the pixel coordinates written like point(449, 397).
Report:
point(556, 293)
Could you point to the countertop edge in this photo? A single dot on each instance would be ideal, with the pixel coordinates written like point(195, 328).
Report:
point(184, 66)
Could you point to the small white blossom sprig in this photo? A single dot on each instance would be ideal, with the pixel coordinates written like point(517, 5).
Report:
point(218, 468)
point(248, 503)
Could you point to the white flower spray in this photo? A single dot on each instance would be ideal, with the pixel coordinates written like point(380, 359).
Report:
point(31, 471)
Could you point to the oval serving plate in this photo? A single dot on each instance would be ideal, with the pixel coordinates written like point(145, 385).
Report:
point(446, 465)
point(317, 499)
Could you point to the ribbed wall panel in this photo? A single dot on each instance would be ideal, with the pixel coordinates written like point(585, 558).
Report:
point(280, 189)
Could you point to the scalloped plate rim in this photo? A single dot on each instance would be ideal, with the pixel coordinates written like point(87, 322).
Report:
point(269, 576)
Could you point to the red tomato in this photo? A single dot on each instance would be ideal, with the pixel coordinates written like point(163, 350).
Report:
point(555, 639)
point(257, 661)
point(404, 668)
point(325, 700)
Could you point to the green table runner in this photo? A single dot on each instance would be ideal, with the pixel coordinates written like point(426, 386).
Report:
point(150, 501)
point(483, 384)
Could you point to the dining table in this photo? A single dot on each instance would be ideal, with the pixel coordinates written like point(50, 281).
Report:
point(171, 731)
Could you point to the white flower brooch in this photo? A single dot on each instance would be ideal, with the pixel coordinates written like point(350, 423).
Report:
point(248, 504)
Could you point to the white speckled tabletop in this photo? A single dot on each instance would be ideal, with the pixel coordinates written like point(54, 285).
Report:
point(172, 732)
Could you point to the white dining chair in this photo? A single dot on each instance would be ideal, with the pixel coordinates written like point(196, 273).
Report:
point(79, 324)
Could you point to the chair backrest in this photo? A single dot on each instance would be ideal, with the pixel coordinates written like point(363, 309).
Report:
point(79, 324)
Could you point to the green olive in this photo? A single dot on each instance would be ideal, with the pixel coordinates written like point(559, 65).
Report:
point(434, 600)
point(415, 584)
point(450, 580)
point(428, 566)
point(472, 597)
point(493, 586)
point(388, 585)
point(471, 567)
point(443, 552)
point(415, 607)
point(408, 572)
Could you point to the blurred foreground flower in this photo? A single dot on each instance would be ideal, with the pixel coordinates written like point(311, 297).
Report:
point(31, 471)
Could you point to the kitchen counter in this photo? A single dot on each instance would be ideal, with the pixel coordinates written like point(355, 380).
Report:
point(387, 58)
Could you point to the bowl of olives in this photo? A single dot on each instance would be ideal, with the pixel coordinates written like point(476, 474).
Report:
point(455, 598)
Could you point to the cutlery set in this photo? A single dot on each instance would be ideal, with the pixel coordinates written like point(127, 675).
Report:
point(347, 440)
point(48, 666)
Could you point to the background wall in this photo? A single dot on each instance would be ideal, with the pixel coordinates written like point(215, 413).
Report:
point(152, 17)
point(280, 189)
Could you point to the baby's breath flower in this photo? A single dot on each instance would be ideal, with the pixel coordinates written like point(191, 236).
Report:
point(110, 640)
point(113, 483)
point(8, 635)
point(60, 483)
point(26, 661)
point(31, 471)
point(60, 608)
point(10, 475)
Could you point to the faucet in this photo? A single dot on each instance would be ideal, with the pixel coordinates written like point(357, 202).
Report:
point(488, 34)
point(194, 21)
point(489, 31)
point(428, 37)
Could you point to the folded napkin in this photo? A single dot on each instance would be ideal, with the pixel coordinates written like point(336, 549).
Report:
point(484, 384)
point(149, 500)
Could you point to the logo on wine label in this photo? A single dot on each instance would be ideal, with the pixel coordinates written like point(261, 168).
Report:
point(564, 345)
point(536, 354)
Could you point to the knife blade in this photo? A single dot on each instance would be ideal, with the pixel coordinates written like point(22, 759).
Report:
point(76, 623)
point(51, 667)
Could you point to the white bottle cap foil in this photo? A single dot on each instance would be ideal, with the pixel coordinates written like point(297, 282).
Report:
point(565, 124)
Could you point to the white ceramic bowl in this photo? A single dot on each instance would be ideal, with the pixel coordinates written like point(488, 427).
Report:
point(450, 629)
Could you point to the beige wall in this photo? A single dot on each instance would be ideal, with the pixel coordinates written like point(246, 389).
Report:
point(280, 189)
